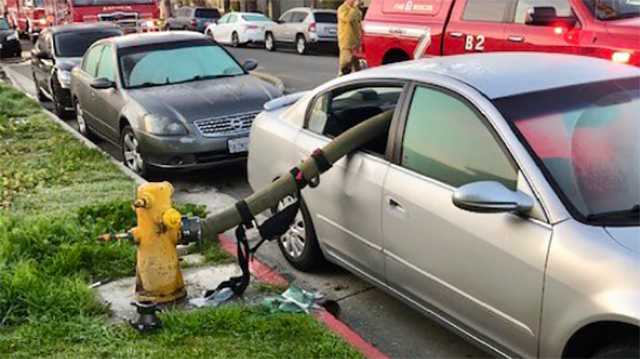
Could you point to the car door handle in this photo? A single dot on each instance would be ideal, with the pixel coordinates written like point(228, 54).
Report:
point(456, 34)
point(516, 38)
point(395, 205)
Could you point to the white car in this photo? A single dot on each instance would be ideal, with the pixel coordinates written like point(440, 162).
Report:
point(503, 201)
point(239, 28)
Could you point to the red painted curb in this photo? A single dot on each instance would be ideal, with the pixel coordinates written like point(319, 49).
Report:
point(266, 274)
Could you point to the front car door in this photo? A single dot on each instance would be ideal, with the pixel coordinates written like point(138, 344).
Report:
point(477, 26)
point(544, 38)
point(109, 102)
point(354, 185)
point(482, 272)
point(281, 30)
point(42, 67)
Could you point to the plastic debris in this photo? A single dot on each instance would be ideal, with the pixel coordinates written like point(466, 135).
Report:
point(215, 299)
point(293, 300)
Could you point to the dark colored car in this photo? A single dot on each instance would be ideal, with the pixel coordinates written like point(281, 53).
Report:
point(172, 100)
point(9, 41)
point(58, 50)
point(192, 18)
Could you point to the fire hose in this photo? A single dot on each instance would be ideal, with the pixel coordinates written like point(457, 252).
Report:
point(307, 173)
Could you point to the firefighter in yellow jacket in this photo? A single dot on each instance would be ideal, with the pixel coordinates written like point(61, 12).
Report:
point(349, 33)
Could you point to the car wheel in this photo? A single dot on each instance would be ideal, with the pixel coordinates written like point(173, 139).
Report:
point(209, 33)
point(301, 45)
point(58, 107)
point(131, 155)
point(82, 123)
point(299, 244)
point(619, 350)
point(235, 40)
point(39, 94)
point(269, 42)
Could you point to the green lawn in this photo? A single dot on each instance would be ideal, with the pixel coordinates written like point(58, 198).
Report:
point(56, 197)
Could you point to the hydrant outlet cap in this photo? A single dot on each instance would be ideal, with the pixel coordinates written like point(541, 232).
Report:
point(172, 218)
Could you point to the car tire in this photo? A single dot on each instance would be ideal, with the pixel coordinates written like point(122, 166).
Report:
point(269, 42)
point(83, 129)
point(209, 34)
point(58, 108)
point(235, 39)
point(39, 94)
point(299, 244)
point(301, 45)
point(628, 349)
point(131, 156)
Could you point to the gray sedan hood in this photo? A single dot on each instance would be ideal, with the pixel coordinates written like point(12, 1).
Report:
point(197, 100)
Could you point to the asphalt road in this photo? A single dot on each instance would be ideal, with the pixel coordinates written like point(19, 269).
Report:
point(396, 329)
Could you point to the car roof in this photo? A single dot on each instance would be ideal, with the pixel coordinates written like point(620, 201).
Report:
point(150, 38)
point(80, 27)
point(506, 74)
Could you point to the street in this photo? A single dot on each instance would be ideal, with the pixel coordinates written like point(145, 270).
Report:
point(392, 326)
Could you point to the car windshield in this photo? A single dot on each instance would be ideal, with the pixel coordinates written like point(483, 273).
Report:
point(4, 25)
point(586, 138)
point(74, 44)
point(256, 17)
point(614, 9)
point(207, 13)
point(325, 17)
point(110, 2)
point(178, 62)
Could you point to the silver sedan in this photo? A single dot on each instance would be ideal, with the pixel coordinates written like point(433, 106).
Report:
point(504, 201)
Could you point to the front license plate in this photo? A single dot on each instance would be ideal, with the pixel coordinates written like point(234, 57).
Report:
point(238, 145)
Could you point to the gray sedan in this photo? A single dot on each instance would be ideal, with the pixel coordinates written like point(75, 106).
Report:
point(169, 100)
point(504, 201)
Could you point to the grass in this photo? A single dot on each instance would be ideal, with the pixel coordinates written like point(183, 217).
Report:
point(56, 197)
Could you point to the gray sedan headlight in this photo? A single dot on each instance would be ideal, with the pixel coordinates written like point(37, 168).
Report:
point(163, 126)
point(64, 77)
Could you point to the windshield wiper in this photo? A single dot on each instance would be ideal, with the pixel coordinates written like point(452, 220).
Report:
point(632, 213)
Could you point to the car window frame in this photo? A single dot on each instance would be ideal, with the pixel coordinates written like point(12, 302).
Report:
point(369, 82)
point(511, 20)
point(396, 155)
point(108, 47)
point(288, 13)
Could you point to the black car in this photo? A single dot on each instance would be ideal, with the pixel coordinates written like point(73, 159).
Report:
point(58, 50)
point(9, 41)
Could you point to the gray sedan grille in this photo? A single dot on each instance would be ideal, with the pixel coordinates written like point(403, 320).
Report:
point(226, 125)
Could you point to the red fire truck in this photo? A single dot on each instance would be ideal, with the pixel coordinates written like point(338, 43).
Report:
point(31, 16)
point(607, 29)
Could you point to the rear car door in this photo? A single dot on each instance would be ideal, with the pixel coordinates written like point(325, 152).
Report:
point(346, 206)
point(477, 26)
point(108, 102)
point(82, 87)
point(484, 271)
point(523, 36)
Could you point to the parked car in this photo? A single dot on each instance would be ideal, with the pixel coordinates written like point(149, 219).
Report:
point(304, 29)
point(9, 40)
point(503, 201)
point(239, 28)
point(170, 100)
point(193, 18)
point(56, 52)
point(601, 28)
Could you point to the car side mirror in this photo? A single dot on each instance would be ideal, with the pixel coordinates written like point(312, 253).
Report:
point(250, 64)
point(547, 16)
point(102, 83)
point(42, 55)
point(491, 197)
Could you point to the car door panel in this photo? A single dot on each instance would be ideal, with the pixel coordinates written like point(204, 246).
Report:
point(108, 101)
point(484, 270)
point(354, 185)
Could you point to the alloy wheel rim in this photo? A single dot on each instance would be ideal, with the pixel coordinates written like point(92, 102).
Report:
point(82, 125)
point(293, 241)
point(132, 157)
point(235, 39)
point(269, 42)
point(300, 45)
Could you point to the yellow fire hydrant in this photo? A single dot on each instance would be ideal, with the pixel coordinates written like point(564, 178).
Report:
point(158, 276)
